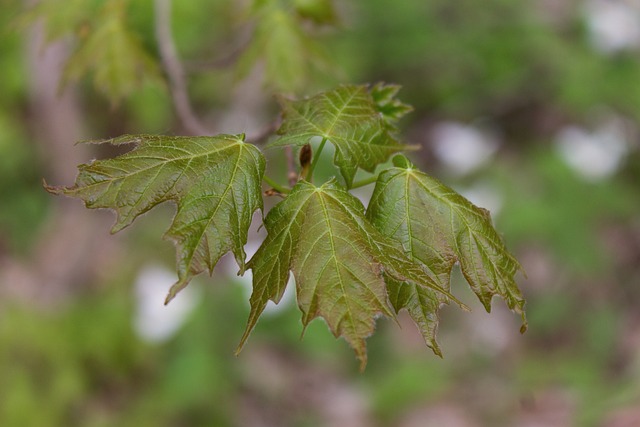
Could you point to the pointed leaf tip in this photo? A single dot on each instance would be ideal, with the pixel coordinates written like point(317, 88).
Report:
point(170, 296)
point(242, 342)
point(363, 361)
point(175, 289)
point(435, 347)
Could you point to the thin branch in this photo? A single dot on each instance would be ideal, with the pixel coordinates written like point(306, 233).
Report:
point(274, 184)
point(174, 70)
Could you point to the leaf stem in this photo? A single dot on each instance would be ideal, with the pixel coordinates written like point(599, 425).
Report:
point(316, 158)
point(366, 181)
point(279, 188)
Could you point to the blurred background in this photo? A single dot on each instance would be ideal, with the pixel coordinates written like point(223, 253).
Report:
point(529, 109)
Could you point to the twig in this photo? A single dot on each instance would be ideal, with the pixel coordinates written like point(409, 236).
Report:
point(274, 184)
point(174, 70)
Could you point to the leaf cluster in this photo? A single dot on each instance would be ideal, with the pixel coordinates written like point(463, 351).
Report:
point(351, 264)
point(108, 46)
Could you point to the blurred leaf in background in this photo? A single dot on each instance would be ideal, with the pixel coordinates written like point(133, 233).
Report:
point(281, 39)
point(113, 54)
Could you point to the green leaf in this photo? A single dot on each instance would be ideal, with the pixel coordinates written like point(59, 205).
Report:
point(60, 17)
point(438, 227)
point(114, 55)
point(290, 54)
point(337, 258)
point(215, 182)
point(349, 119)
point(319, 11)
point(392, 109)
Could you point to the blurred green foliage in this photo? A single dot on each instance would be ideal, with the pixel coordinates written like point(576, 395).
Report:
point(113, 54)
point(288, 53)
point(467, 59)
point(21, 201)
point(545, 181)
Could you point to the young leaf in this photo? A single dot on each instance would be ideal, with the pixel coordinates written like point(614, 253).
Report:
point(349, 119)
point(215, 182)
point(438, 227)
point(319, 11)
point(114, 54)
point(60, 17)
point(291, 55)
point(337, 258)
point(392, 109)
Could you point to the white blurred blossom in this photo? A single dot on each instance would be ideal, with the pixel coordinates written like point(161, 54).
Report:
point(271, 308)
point(484, 195)
point(246, 280)
point(594, 155)
point(154, 321)
point(614, 25)
point(462, 148)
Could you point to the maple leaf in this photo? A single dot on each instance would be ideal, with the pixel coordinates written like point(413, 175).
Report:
point(319, 11)
point(384, 98)
point(347, 117)
point(282, 42)
point(438, 227)
point(114, 54)
point(337, 258)
point(60, 17)
point(215, 182)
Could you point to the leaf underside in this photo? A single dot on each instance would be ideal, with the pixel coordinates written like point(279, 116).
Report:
point(215, 182)
point(350, 119)
point(438, 227)
point(338, 260)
